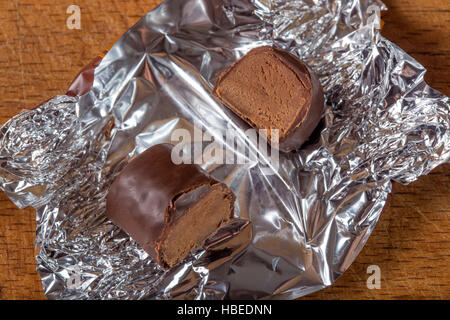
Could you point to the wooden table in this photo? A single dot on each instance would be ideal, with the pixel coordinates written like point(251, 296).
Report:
point(39, 56)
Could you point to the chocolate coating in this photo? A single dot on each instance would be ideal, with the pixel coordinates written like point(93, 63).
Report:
point(267, 73)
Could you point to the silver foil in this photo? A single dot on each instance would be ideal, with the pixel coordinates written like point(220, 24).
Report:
point(310, 220)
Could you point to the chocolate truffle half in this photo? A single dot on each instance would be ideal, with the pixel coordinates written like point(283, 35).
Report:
point(272, 89)
point(168, 209)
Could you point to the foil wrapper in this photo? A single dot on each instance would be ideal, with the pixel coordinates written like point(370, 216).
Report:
point(310, 219)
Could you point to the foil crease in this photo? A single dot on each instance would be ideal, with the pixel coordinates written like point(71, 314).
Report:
point(310, 220)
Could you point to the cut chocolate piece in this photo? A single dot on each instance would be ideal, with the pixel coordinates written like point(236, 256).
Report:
point(168, 209)
point(272, 89)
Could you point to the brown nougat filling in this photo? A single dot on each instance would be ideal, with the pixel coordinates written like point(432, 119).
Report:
point(192, 228)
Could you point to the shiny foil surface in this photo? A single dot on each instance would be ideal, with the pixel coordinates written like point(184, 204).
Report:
point(309, 220)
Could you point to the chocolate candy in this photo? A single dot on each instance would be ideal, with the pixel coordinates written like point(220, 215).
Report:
point(271, 89)
point(168, 209)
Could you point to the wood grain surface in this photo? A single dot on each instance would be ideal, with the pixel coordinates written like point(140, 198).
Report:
point(39, 56)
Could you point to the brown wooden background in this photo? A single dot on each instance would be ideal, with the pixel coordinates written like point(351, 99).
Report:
point(39, 57)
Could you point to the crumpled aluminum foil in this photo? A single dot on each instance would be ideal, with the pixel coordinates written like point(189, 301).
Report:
point(310, 220)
